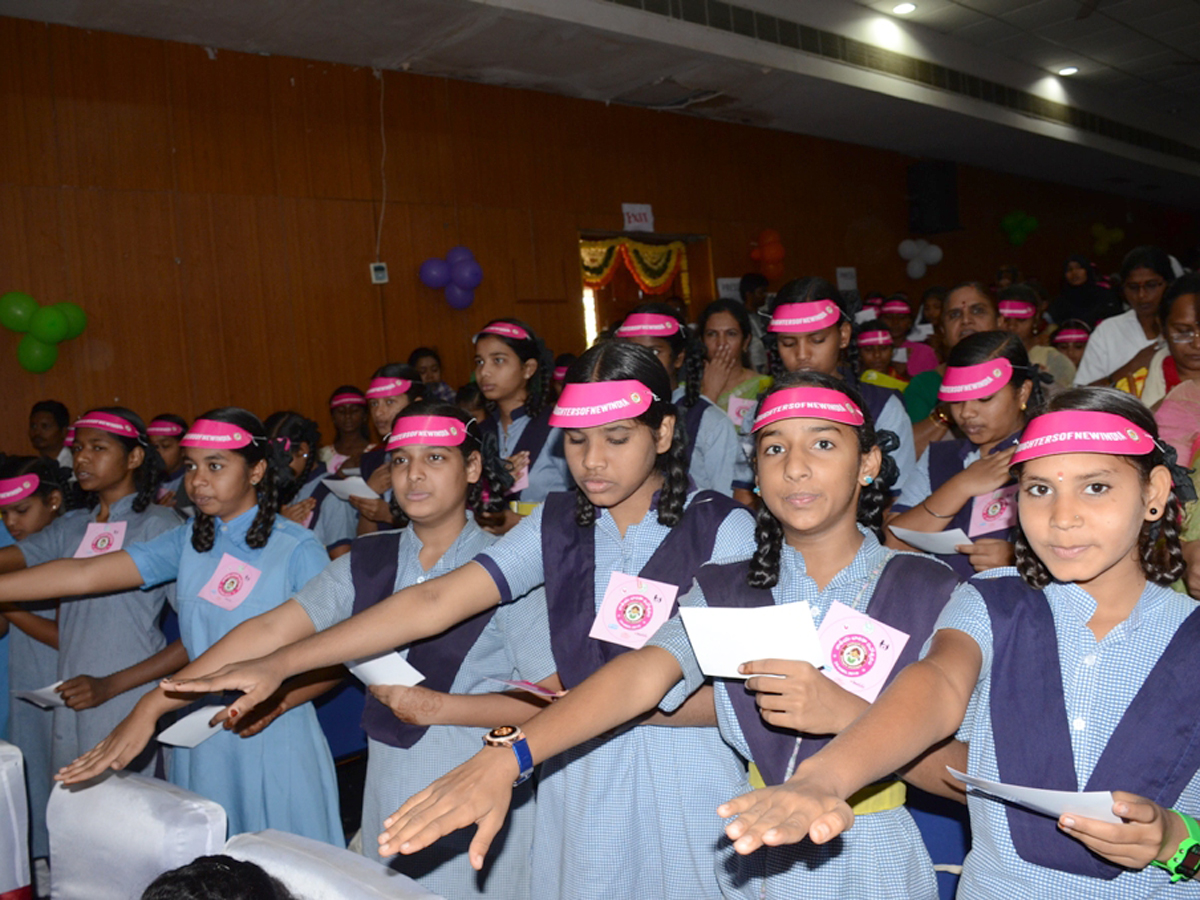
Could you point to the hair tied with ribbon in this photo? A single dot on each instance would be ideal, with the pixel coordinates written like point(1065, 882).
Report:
point(283, 442)
point(1181, 476)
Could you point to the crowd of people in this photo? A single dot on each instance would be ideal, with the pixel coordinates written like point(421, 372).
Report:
point(527, 539)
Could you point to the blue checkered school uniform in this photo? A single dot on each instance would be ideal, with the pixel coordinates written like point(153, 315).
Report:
point(717, 462)
point(630, 814)
point(882, 855)
point(515, 636)
point(1100, 679)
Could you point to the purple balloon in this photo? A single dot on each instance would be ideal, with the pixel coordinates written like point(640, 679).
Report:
point(435, 273)
point(466, 274)
point(459, 298)
point(458, 254)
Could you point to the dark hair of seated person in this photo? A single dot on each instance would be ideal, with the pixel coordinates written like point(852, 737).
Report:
point(217, 878)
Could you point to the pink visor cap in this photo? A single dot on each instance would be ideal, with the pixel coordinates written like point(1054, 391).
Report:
point(1078, 431)
point(808, 403)
point(346, 400)
point(975, 382)
point(1070, 336)
point(387, 387)
point(875, 339)
point(502, 329)
point(1017, 309)
point(164, 428)
point(801, 318)
point(895, 308)
point(435, 431)
point(216, 435)
point(14, 490)
point(588, 404)
point(110, 423)
point(652, 325)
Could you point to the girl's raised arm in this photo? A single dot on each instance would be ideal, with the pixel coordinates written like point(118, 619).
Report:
point(105, 574)
point(420, 611)
point(924, 705)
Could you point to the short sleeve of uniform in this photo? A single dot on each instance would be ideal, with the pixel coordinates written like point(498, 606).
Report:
point(515, 561)
point(893, 418)
point(328, 598)
point(672, 637)
point(917, 487)
point(966, 612)
point(306, 562)
point(158, 559)
point(44, 545)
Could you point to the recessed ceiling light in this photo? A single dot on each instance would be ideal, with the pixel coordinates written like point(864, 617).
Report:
point(1068, 70)
point(903, 9)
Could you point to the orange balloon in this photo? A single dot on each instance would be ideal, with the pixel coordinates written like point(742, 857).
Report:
point(756, 253)
point(772, 253)
point(773, 270)
point(768, 236)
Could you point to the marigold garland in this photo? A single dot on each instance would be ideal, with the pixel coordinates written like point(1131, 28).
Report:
point(653, 266)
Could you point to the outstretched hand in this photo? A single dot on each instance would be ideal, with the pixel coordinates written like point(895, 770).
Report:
point(257, 680)
point(785, 814)
point(478, 792)
point(116, 751)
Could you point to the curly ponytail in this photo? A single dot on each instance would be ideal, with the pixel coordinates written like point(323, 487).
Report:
point(289, 430)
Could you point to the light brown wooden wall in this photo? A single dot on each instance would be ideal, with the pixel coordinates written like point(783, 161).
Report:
point(216, 216)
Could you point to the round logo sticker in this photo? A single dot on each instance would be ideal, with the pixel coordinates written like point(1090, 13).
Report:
point(1133, 435)
point(635, 612)
point(853, 655)
point(996, 373)
point(635, 397)
point(453, 431)
point(230, 584)
point(237, 435)
point(995, 509)
point(102, 542)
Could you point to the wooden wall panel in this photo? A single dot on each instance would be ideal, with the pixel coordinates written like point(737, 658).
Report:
point(216, 215)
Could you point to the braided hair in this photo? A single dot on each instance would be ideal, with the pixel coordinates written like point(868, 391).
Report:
point(487, 494)
point(278, 476)
point(806, 290)
point(290, 430)
point(681, 342)
point(872, 498)
point(621, 361)
point(147, 476)
point(540, 387)
point(1159, 550)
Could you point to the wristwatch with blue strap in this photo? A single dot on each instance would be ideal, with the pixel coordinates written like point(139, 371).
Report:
point(512, 736)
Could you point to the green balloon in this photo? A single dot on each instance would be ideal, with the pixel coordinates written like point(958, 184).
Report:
point(49, 325)
point(75, 316)
point(34, 355)
point(16, 310)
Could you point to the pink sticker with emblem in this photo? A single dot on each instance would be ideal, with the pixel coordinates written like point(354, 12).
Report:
point(101, 538)
point(993, 511)
point(632, 610)
point(860, 651)
point(231, 583)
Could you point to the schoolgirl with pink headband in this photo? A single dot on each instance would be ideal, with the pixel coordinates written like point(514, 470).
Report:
point(392, 388)
point(352, 432)
point(612, 557)
point(823, 481)
point(236, 558)
point(1071, 339)
point(964, 483)
point(165, 431)
point(875, 348)
point(109, 640)
point(1062, 674)
point(1018, 306)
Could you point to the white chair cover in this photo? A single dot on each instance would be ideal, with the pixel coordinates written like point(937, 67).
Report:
point(317, 871)
point(14, 823)
point(111, 838)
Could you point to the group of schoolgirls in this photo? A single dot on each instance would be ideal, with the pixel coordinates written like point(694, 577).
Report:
point(625, 807)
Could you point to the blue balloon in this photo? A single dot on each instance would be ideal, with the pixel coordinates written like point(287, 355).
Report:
point(458, 254)
point(435, 273)
point(466, 274)
point(457, 297)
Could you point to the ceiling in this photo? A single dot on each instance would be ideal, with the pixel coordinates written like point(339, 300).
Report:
point(1136, 59)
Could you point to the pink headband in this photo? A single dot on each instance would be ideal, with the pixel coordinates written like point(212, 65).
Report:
point(218, 435)
point(588, 404)
point(808, 403)
point(1017, 309)
point(975, 382)
point(438, 431)
point(648, 325)
point(503, 329)
point(875, 339)
point(164, 428)
point(70, 436)
point(1065, 335)
point(346, 400)
point(895, 308)
point(388, 387)
point(801, 318)
point(14, 490)
point(110, 423)
point(1077, 431)
point(560, 372)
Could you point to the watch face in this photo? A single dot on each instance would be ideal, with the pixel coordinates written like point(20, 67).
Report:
point(503, 731)
point(1191, 862)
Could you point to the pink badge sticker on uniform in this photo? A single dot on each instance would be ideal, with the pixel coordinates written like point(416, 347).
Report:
point(977, 382)
point(335, 462)
point(741, 412)
point(521, 481)
point(101, 538)
point(231, 582)
point(632, 610)
point(860, 651)
point(993, 511)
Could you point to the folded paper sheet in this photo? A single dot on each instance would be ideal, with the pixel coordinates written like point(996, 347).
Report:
point(932, 541)
point(723, 638)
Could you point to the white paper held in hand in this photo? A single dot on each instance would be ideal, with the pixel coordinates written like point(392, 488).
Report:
point(1090, 804)
point(354, 486)
point(193, 729)
point(386, 668)
point(45, 698)
point(723, 637)
point(942, 542)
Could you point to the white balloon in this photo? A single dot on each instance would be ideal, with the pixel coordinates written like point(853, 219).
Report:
point(908, 249)
point(932, 255)
point(915, 268)
point(921, 245)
